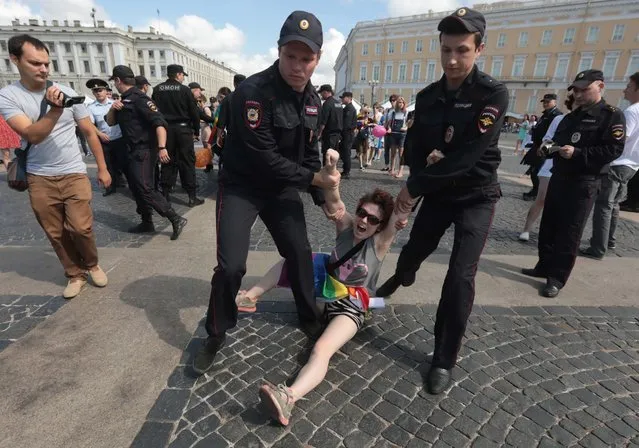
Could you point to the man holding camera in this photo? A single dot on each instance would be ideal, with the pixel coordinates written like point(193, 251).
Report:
point(587, 140)
point(45, 116)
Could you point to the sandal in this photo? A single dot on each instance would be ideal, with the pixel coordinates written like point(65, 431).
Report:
point(244, 303)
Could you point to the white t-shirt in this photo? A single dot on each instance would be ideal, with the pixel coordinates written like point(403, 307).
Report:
point(630, 156)
point(59, 153)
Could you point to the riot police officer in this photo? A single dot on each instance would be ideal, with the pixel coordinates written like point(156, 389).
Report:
point(349, 127)
point(453, 166)
point(331, 118)
point(269, 156)
point(589, 138)
point(177, 104)
point(144, 129)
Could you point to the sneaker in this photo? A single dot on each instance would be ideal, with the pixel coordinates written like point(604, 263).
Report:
point(524, 236)
point(279, 402)
point(98, 277)
point(205, 357)
point(178, 224)
point(74, 287)
point(589, 252)
point(244, 303)
point(612, 245)
point(194, 202)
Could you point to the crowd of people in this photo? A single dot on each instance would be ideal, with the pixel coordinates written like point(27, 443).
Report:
point(267, 133)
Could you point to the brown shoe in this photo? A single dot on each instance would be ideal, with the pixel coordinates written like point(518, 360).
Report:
point(74, 287)
point(98, 277)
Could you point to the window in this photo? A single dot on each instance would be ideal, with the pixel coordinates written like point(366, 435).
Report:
point(401, 77)
point(50, 46)
point(561, 70)
point(541, 66)
point(430, 71)
point(100, 48)
point(610, 66)
point(416, 70)
point(151, 54)
point(378, 48)
point(388, 74)
point(633, 65)
point(412, 99)
point(365, 50)
point(102, 67)
point(152, 70)
point(498, 65)
point(512, 99)
point(481, 62)
point(162, 55)
point(7, 64)
point(376, 72)
point(362, 72)
point(361, 98)
point(501, 40)
point(54, 63)
point(569, 36)
point(518, 66)
point(72, 85)
point(586, 62)
point(163, 71)
point(546, 38)
point(419, 46)
point(532, 104)
point(71, 66)
point(87, 67)
point(3, 45)
point(617, 34)
point(140, 55)
point(67, 47)
point(523, 39)
point(83, 48)
point(141, 70)
point(433, 45)
point(391, 47)
point(404, 46)
point(593, 34)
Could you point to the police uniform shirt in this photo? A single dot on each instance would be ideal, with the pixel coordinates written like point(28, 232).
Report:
point(272, 134)
point(138, 119)
point(177, 104)
point(597, 133)
point(98, 112)
point(331, 116)
point(350, 117)
point(464, 125)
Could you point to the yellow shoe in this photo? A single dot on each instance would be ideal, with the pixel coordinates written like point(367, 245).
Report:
point(98, 277)
point(74, 287)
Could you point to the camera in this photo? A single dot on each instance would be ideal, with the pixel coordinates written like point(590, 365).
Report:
point(69, 101)
point(548, 148)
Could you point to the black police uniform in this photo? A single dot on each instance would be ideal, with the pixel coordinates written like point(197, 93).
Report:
point(331, 118)
point(348, 135)
point(597, 133)
point(177, 104)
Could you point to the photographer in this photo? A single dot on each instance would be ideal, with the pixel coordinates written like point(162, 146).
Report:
point(59, 189)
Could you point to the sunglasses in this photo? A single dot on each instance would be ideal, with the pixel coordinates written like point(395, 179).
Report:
point(374, 220)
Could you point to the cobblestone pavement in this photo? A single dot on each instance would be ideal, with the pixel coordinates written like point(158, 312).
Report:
point(20, 314)
point(551, 376)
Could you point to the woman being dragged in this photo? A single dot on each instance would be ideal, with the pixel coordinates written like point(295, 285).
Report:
point(362, 242)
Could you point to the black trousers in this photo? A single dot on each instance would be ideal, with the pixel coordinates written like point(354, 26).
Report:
point(472, 222)
point(330, 141)
point(283, 215)
point(116, 158)
point(179, 145)
point(633, 192)
point(346, 146)
point(569, 201)
point(534, 177)
point(142, 166)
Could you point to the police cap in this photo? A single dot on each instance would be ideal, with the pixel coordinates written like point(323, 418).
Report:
point(122, 71)
point(585, 78)
point(549, 97)
point(141, 81)
point(470, 20)
point(302, 26)
point(175, 69)
point(195, 85)
point(96, 83)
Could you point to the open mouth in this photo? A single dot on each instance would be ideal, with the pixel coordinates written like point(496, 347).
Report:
point(361, 228)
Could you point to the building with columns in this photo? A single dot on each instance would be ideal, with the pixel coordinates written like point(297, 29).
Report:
point(534, 47)
point(79, 53)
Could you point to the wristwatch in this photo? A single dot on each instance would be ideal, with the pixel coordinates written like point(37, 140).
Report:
point(161, 147)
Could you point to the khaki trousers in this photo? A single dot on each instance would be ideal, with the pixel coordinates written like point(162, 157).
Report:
point(62, 206)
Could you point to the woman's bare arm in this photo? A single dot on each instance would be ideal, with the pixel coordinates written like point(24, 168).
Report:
point(334, 206)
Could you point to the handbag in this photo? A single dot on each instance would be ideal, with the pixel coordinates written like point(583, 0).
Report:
point(17, 169)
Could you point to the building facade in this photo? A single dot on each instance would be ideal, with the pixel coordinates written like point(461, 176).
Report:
point(534, 47)
point(79, 53)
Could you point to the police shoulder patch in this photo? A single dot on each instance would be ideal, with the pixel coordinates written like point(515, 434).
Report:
point(152, 106)
point(488, 117)
point(618, 131)
point(253, 114)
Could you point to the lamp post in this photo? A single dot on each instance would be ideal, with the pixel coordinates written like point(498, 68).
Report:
point(373, 83)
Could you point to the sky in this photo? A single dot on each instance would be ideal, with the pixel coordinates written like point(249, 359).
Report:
point(242, 33)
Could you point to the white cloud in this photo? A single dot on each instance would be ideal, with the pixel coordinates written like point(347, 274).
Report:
point(333, 42)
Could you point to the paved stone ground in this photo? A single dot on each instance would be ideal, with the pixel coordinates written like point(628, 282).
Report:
point(551, 376)
point(21, 314)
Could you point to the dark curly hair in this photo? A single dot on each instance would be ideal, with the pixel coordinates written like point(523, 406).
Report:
point(384, 200)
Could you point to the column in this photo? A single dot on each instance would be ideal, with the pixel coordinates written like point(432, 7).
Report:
point(58, 52)
point(93, 64)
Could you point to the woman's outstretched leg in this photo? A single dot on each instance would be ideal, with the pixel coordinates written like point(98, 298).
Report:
point(247, 300)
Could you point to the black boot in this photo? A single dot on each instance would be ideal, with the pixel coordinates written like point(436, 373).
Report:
point(195, 201)
point(205, 357)
point(178, 224)
point(166, 191)
point(146, 226)
point(438, 380)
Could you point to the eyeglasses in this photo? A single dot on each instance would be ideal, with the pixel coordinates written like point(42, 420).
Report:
point(374, 220)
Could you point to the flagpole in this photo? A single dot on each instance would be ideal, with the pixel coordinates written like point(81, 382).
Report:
point(159, 23)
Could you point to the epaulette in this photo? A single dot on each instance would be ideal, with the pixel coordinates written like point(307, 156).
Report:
point(488, 81)
point(611, 108)
point(428, 89)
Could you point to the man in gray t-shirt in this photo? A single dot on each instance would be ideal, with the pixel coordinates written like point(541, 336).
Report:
point(59, 189)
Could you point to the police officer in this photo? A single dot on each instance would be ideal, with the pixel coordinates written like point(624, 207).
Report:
point(177, 104)
point(590, 137)
point(144, 129)
point(271, 156)
point(349, 127)
point(197, 90)
point(331, 118)
point(114, 146)
point(453, 166)
point(143, 84)
point(533, 157)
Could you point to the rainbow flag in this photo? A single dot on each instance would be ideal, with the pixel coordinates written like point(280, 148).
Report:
point(334, 289)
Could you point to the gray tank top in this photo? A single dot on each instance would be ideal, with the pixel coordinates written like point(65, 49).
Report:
point(363, 268)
